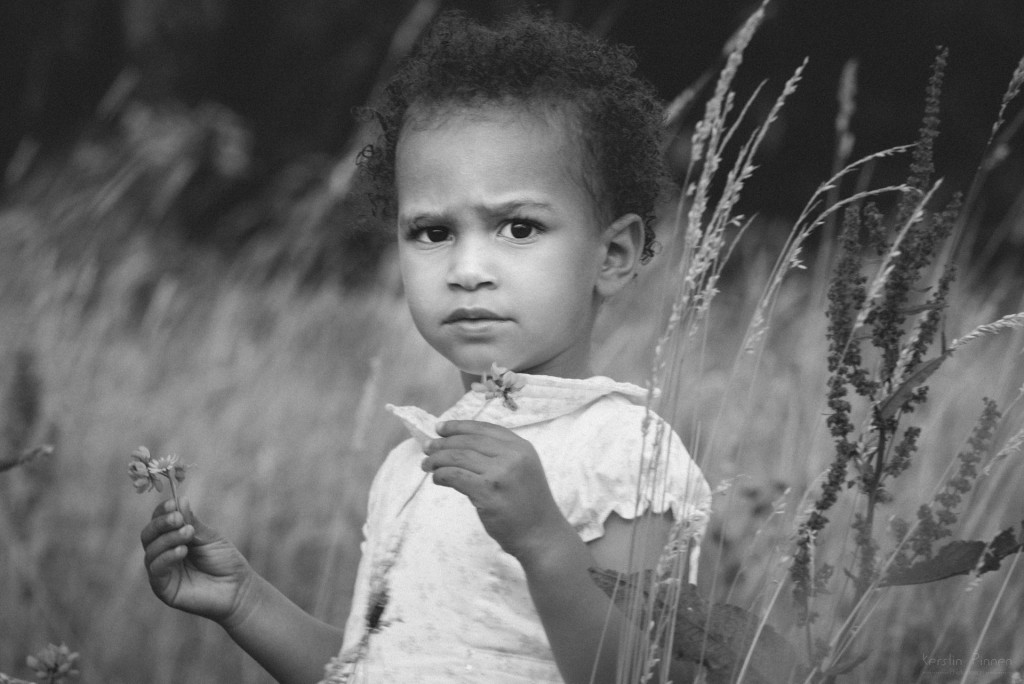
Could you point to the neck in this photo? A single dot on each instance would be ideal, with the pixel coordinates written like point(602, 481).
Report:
point(580, 372)
point(468, 379)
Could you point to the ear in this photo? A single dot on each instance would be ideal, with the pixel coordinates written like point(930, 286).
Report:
point(623, 244)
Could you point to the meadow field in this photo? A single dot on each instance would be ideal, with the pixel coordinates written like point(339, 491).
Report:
point(271, 386)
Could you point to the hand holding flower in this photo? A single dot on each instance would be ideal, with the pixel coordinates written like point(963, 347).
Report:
point(191, 567)
point(502, 476)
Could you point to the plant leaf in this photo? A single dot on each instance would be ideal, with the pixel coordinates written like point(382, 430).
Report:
point(716, 636)
point(999, 548)
point(919, 308)
point(955, 558)
point(888, 406)
point(959, 558)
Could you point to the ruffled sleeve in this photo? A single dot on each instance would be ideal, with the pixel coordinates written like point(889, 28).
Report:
point(611, 463)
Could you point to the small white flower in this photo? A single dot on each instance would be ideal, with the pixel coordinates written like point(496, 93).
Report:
point(146, 471)
point(500, 382)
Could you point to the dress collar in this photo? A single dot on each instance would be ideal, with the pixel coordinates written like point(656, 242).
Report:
point(541, 398)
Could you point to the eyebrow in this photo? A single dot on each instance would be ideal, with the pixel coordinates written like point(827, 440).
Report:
point(513, 205)
point(508, 207)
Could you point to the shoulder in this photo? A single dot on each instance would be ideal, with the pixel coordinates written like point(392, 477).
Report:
point(619, 457)
point(623, 426)
point(610, 413)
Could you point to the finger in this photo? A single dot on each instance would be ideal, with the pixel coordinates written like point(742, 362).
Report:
point(461, 480)
point(487, 445)
point(164, 507)
point(456, 458)
point(449, 428)
point(162, 524)
point(164, 563)
point(203, 533)
point(179, 538)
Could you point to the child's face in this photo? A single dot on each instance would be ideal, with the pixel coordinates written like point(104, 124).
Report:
point(500, 245)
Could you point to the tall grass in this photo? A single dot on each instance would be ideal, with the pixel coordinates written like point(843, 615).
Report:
point(835, 531)
point(269, 391)
point(112, 338)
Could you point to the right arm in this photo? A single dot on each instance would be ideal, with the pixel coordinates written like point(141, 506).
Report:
point(194, 569)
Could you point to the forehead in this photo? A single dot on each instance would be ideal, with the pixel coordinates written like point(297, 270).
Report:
point(543, 120)
point(487, 147)
point(526, 143)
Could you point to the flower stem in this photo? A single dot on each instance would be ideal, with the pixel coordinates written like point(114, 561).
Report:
point(174, 490)
point(177, 506)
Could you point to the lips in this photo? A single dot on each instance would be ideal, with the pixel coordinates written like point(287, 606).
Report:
point(473, 314)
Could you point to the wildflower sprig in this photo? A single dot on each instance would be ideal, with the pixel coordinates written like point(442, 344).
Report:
point(935, 520)
point(146, 471)
point(879, 363)
point(501, 383)
point(52, 664)
point(878, 314)
point(846, 296)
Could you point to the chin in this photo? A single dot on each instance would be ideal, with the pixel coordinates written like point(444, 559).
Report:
point(477, 367)
point(479, 364)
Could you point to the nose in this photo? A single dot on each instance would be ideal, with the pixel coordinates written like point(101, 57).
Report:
point(471, 265)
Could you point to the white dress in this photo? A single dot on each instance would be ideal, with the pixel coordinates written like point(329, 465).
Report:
point(458, 608)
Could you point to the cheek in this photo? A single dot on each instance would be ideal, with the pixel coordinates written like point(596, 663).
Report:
point(412, 269)
point(413, 281)
point(420, 311)
point(563, 299)
point(420, 284)
point(579, 271)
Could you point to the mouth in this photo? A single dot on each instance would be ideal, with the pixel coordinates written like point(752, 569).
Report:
point(473, 315)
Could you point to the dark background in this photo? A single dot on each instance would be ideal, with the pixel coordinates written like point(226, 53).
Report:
point(293, 71)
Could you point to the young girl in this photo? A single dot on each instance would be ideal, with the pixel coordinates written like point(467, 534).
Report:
point(522, 165)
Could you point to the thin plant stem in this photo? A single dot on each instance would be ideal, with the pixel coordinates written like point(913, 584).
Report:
point(760, 627)
point(991, 613)
point(174, 489)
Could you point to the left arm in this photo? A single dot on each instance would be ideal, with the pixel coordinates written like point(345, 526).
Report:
point(583, 626)
point(503, 477)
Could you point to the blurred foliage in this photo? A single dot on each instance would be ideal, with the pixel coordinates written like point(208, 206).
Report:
point(247, 109)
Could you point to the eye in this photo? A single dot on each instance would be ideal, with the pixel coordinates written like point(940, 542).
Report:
point(430, 234)
point(518, 229)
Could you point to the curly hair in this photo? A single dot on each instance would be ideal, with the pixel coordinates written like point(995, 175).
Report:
point(532, 59)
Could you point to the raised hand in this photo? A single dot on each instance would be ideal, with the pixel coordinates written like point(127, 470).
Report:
point(191, 567)
point(502, 476)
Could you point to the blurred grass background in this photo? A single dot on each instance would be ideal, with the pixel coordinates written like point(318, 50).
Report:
point(188, 266)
